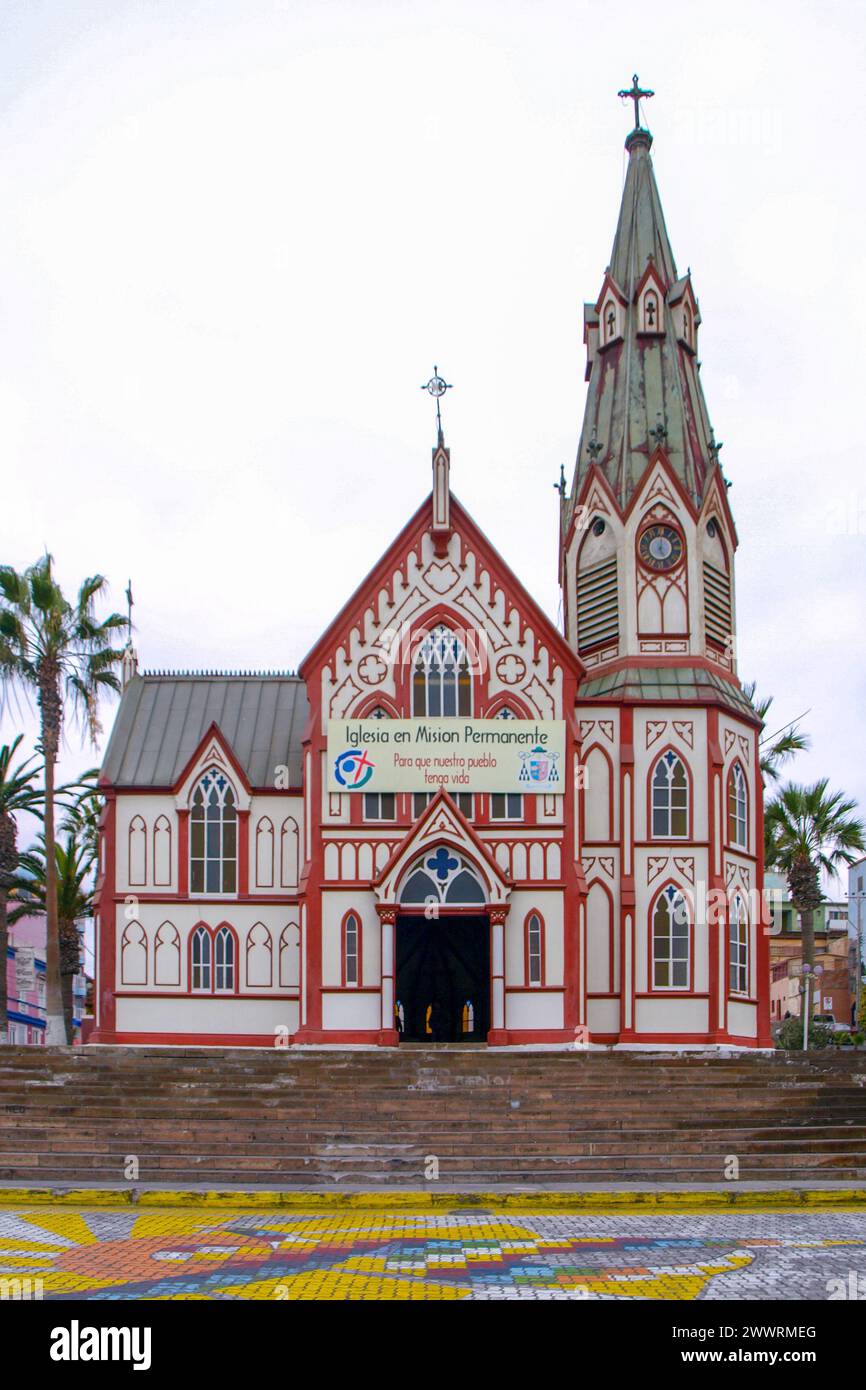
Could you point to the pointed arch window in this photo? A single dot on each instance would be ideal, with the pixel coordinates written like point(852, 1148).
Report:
point(213, 835)
point(670, 798)
point(441, 679)
point(224, 961)
point(738, 947)
point(738, 807)
point(351, 949)
point(534, 947)
point(671, 940)
point(202, 961)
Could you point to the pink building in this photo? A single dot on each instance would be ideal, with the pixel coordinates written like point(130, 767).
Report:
point(25, 983)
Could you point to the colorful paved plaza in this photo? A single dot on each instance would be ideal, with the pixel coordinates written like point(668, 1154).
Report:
point(205, 1254)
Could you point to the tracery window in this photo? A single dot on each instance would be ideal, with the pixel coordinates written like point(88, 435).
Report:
point(738, 808)
point(670, 798)
point(671, 940)
point(441, 681)
point(213, 835)
point(738, 944)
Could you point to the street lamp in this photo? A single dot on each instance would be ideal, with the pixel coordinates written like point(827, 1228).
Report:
point(809, 972)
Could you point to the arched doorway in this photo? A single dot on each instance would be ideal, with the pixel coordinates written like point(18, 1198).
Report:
point(442, 951)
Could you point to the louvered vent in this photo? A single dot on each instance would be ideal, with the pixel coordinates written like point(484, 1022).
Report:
point(597, 605)
point(717, 604)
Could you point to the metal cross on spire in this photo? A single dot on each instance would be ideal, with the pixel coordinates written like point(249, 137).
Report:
point(437, 387)
point(636, 92)
point(129, 605)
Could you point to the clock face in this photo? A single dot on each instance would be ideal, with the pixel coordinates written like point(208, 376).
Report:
point(660, 547)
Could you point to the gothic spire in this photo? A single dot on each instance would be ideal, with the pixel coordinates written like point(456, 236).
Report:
point(641, 336)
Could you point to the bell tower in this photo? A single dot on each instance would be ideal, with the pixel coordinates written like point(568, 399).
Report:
point(671, 807)
point(647, 536)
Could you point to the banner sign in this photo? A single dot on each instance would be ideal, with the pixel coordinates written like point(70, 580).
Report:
point(25, 969)
point(461, 755)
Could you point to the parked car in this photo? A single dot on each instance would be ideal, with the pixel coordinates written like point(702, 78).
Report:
point(829, 1021)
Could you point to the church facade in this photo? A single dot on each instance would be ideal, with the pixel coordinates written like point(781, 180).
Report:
point(262, 883)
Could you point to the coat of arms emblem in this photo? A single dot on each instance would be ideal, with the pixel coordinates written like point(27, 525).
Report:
point(538, 765)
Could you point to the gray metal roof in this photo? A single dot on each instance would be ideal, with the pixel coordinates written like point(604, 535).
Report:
point(688, 684)
point(163, 718)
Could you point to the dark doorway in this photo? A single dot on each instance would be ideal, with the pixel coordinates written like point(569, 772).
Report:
point(443, 978)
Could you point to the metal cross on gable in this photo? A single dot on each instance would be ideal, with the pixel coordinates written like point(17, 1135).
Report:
point(636, 92)
point(437, 386)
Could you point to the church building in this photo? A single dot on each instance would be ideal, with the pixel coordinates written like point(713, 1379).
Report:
point(457, 823)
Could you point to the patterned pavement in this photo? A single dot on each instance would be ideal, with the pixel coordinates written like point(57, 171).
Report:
point(201, 1253)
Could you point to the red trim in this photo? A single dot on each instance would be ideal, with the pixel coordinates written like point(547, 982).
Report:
point(395, 557)
point(213, 932)
point(106, 964)
point(183, 854)
point(260, 823)
point(124, 943)
point(213, 733)
point(250, 945)
point(139, 825)
point(173, 945)
point(188, 1039)
point(298, 866)
point(243, 848)
point(612, 984)
point(156, 830)
point(478, 845)
point(584, 763)
point(727, 841)
point(186, 995)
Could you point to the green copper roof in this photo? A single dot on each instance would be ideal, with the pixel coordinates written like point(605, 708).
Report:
point(642, 382)
point(687, 684)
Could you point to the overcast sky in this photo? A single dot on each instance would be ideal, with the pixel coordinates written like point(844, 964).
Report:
point(237, 234)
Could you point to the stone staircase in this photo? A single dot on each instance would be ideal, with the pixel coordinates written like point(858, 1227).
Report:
point(301, 1118)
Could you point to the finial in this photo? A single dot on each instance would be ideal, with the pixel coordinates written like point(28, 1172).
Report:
point(659, 432)
point(560, 486)
point(437, 388)
point(594, 447)
point(129, 659)
point(636, 93)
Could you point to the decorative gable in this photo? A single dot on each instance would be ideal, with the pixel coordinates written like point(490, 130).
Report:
point(590, 336)
point(611, 308)
point(685, 313)
point(649, 299)
point(443, 828)
point(213, 751)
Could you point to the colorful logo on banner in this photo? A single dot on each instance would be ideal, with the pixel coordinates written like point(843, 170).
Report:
point(353, 769)
point(538, 766)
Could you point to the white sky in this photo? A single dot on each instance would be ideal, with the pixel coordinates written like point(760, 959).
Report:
point(236, 236)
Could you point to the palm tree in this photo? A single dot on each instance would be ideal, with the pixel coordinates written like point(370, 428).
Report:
point(810, 829)
point(58, 651)
point(73, 865)
point(17, 793)
point(776, 748)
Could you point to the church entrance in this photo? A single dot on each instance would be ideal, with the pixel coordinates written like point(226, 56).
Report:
point(442, 978)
